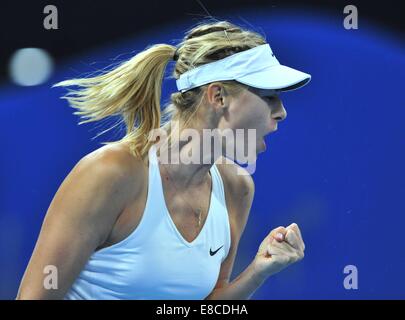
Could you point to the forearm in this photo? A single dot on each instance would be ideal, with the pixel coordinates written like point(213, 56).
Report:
point(241, 288)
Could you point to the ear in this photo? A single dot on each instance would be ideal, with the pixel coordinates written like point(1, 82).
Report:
point(216, 94)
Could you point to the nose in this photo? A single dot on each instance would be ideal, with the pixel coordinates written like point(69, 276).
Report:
point(278, 111)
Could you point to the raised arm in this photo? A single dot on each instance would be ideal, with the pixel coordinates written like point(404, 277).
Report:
point(281, 247)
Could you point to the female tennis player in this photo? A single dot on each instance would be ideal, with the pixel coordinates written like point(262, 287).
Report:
point(126, 225)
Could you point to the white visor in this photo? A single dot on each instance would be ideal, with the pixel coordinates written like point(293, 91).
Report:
point(256, 67)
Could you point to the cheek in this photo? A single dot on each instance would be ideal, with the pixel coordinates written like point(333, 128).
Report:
point(247, 115)
point(256, 117)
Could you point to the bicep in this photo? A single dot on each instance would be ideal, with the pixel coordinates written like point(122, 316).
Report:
point(79, 217)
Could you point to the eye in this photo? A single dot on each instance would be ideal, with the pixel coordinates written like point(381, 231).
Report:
point(269, 98)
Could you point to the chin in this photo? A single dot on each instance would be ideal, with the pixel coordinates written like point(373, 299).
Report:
point(261, 147)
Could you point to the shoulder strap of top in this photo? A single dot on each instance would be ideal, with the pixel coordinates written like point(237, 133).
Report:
point(219, 183)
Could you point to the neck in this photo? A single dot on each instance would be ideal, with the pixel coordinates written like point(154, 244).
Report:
point(191, 173)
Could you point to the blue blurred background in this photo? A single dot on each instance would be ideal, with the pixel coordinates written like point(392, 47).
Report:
point(335, 166)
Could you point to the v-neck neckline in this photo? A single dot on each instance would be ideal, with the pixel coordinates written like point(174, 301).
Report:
point(167, 212)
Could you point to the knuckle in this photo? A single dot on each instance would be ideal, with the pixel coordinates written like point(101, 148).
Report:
point(274, 232)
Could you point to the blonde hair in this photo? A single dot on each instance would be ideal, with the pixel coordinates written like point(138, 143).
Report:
point(132, 90)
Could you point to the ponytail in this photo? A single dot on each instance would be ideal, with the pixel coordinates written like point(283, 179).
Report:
point(132, 90)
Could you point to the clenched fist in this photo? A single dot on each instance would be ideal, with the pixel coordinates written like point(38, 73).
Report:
point(282, 247)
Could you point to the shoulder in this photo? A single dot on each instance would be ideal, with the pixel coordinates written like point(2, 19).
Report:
point(113, 165)
point(237, 178)
point(99, 188)
point(239, 189)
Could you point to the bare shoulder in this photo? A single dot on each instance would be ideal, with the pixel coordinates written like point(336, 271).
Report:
point(239, 189)
point(99, 188)
point(116, 161)
point(109, 172)
point(80, 217)
point(237, 178)
point(117, 155)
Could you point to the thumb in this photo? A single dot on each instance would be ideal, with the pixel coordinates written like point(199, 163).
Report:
point(279, 234)
point(279, 237)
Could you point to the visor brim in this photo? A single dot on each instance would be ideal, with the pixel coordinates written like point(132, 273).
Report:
point(278, 77)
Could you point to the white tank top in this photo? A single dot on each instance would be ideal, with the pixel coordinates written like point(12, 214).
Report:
point(155, 261)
